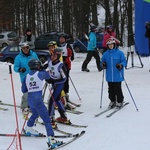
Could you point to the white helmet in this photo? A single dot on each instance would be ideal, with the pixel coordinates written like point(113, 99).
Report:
point(24, 44)
point(110, 41)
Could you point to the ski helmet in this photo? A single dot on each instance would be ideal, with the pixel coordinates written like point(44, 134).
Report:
point(109, 26)
point(34, 64)
point(110, 41)
point(24, 44)
point(58, 52)
point(52, 43)
point(63, 35)
point(93, 28)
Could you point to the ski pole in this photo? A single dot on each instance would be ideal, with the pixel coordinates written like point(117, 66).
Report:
point(75, 88)
point(129, 92)
point(102, 89)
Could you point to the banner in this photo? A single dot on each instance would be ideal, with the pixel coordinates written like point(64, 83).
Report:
point(142, 15)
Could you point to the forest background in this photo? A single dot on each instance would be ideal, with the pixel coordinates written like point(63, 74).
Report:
point(70, 16)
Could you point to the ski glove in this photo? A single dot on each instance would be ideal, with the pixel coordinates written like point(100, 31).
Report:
point(119, 66)
point(22, 70)
point(44, 66)
point(104, 65)
point(51, 81)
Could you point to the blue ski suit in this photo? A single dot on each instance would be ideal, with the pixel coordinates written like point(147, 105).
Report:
point(33, 84)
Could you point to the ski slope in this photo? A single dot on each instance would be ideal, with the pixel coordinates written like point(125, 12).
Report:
point(128, 129)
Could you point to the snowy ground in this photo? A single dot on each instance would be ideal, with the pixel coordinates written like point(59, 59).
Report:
point(126, 130)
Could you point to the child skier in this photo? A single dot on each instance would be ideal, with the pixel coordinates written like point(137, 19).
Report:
point(57, 73)
point(33, 84)
point(114, 61)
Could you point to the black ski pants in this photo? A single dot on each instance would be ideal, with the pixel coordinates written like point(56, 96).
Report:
point(89, 56)
point(115, 92)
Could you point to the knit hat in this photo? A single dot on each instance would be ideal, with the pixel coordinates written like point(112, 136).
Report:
point(28, 30)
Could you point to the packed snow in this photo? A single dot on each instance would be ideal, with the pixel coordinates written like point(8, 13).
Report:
point(128, 129)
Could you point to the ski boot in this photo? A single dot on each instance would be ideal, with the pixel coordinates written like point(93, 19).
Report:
point(52, 143)
point(63, 120)
point(119, 105)
point(86, 70)
point(112, 105)
point(29, 131)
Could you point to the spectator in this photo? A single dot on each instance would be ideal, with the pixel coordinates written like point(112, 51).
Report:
point(21, 67)
point(29, 38)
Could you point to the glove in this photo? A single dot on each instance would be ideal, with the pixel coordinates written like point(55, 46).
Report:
point(119, 66)
point(44, 66)
point(51, 81)
point(104, 65)
point(72, 57)
point(22, 70)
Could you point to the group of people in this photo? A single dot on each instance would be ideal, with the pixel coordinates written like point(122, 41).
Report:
point(56, 72)
point(113, 60)
point(33, 74)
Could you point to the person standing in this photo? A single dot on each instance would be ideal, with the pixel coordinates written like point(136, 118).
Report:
point(21, 67)
point(33, 84)
point(68, 56)
point(113, 60)
point(109, 33)
point(29, 38)
point(92, 50)
point(57, 73)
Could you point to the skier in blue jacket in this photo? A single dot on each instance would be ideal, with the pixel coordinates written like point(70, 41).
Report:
point(92, 51)
point(113, 60)
point(33, 84)
point(21, 67)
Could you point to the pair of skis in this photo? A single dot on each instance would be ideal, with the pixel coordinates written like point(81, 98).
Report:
point(112, 113)
point(64, 132)
point(69, 111)
point(75, 137)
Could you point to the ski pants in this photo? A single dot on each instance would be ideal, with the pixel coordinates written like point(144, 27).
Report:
point(56, 98)
point(89, 56)
point(24, 100)
point(39, 109)
point(115, 92)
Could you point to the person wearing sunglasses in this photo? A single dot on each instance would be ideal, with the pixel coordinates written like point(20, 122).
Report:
point(21, 67)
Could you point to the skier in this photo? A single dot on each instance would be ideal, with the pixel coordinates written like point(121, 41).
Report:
point(113, 60)
point(33, 84)
point(109, 33)
point(57, 73)
point(21, 67)
point(92, 50)
point(68, 56)
point(51, 46)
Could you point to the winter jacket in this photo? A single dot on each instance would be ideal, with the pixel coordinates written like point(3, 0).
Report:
point(92, 42)
point(21, 61)
point(106, 36)
point(112, 58)
point(31, 43)
point(70, 55)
